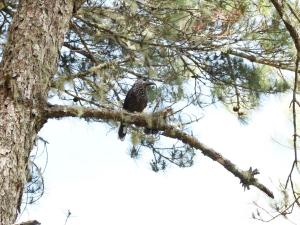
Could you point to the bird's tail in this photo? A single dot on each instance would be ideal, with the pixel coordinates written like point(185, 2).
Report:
point(122, 131)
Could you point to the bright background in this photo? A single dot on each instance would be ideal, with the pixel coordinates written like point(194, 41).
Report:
point(90, 173)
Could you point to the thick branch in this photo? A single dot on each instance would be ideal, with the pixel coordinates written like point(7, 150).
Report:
point(289, 26)
point(156, 121)
point(30, 222)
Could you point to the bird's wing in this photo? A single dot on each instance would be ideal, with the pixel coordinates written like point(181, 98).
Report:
point(130, 97)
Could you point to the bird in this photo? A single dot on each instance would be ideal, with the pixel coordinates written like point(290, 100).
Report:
point(135, 101)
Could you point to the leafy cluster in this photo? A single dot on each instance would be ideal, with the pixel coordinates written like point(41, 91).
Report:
point(197, 52)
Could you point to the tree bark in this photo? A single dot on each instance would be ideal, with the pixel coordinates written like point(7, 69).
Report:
point(29, 62)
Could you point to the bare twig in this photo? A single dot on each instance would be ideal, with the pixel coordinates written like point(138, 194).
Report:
point(285, 211)
point(295, 36)
point(67, 216)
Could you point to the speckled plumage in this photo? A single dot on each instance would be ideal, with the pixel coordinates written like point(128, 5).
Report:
point(135, 101)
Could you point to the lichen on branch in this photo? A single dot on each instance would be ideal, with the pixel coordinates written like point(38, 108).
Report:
point(157, 121)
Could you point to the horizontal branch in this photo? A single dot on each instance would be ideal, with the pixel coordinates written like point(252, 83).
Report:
point(157, 121)
point(30, 222)
point(263, 61)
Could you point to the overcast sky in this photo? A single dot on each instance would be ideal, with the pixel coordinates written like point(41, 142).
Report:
point(90, 173)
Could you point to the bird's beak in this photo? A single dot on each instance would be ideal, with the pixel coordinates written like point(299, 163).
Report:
point(148, 83)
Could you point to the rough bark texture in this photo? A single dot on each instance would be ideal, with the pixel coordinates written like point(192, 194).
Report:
point(29, 61)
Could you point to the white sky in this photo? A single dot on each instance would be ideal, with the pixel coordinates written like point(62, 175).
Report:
point(90, 173)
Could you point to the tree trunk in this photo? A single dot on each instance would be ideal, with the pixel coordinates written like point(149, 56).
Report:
point(29, 62)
